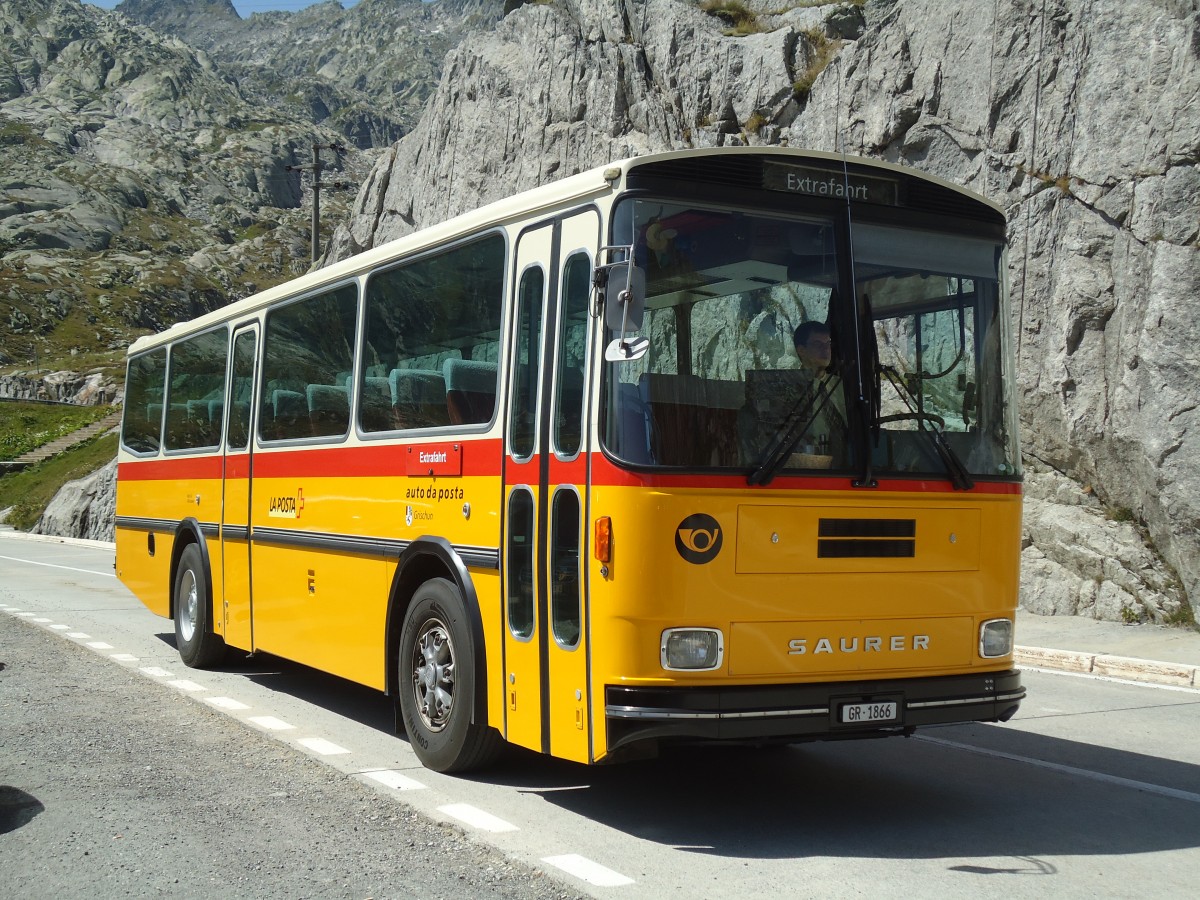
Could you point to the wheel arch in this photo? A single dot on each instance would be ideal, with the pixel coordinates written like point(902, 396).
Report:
point(188, 532)
point(424, 559)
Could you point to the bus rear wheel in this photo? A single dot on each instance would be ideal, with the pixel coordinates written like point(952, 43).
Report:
point(437, 683)
point(198, 646)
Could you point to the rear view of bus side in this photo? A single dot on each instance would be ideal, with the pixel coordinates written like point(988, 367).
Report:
point(702, 446)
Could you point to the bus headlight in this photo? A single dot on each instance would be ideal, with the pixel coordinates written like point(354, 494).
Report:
point(692, 648)
point(995, 638)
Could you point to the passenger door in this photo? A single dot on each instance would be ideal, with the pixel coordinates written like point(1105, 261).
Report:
point(546, 672)
point(237, 606)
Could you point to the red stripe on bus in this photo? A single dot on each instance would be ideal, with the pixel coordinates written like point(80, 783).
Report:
point(607, 474)
point(482, 458)
point(386, 460)
point(183, 468)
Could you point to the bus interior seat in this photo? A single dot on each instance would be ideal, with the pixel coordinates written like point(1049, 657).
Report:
point(470, 390)
point(288, 409)
point(695, 418)
point(418, 398)
point(328, 409)
point(375, 404)
point(631, 440)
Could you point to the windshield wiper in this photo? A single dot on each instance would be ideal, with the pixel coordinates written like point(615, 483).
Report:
point(959, 476)
point(798, 421)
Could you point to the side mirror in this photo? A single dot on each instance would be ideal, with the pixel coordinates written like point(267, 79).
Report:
point(624, 309)
point(625, 299)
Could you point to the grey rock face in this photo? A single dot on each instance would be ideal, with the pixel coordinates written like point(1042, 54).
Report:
point(1079, 118)
point(365, 70)
point(84, 508)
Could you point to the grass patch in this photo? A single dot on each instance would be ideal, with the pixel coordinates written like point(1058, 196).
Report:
point(824, 50)
point(734, 13)
point(26, 426)
point(30, 491)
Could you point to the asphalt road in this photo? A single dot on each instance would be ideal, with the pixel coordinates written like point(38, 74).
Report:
point(122, 773)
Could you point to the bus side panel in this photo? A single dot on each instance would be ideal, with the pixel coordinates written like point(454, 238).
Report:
point(324, 559)
point(162, 491)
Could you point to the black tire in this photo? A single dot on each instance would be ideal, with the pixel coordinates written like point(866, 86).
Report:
point(437, 683)
point(198, 646)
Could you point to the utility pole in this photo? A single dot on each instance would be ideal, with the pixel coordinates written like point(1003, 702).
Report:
point(317, 167)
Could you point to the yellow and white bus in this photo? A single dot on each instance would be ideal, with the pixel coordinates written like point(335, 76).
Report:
point(714, 445)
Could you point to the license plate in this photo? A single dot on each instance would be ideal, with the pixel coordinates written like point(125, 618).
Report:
point(854, 713)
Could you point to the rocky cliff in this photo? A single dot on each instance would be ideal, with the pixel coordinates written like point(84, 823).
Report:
point(365, 71)
point(1080, 118)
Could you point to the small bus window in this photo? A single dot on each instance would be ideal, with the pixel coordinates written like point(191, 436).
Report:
point(307, 360)
point(238, 435)
point(196, 391)
point(520, 569)
point(432, 333)
point(572, 348)
point(564, 589)
point(141, 427)
point(527, 364)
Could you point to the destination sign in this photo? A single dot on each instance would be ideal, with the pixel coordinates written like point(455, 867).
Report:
point(833, 184)
point(434, 459)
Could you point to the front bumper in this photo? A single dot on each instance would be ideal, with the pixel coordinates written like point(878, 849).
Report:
point(806, 712)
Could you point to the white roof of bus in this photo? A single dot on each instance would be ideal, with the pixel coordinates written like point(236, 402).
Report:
point(592, 183)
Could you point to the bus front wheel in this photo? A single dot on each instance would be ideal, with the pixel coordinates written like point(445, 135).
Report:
point(437, 683)
point(198, 646)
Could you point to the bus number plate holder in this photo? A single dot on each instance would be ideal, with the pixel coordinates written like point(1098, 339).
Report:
point(870, 712)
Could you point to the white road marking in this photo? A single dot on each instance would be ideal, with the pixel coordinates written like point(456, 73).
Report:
point(124, 657)
point(271, 723)
point(155, 671)
point(591, 872)
point(99, 645)
point(25, 615)
point(226, 703)
point(42, 620)
point(60, 627)
point(1092, 676)
point(322, 746)
point(1069, 770)
point(396, 780)
point(79, 635)
point(477, 818)
point(184, 685)
point(52, 566)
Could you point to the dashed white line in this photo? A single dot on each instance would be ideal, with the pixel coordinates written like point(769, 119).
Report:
point(184, 685)
point(155, 671)
point(99, 645)
point(587, 870)
point(42, 620)
point(60, 627)
point(395, 780)
point(124, 657)
point(1069, 770)
point(226, 703)
point(79, 635)
point(477, 818)
point(25, 615)
point(271, 723)
point(322, 746)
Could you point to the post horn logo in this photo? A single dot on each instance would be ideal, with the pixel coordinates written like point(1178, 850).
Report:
point(698, 538)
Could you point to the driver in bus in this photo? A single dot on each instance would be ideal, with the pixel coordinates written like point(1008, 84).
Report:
point(772, 397)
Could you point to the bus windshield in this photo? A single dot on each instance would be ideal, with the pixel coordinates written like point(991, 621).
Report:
point(775, 349)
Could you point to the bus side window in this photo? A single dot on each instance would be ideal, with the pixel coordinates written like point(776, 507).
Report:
point(144, 385)
point(432, 327)
point(308, 350)
point(196, 383)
